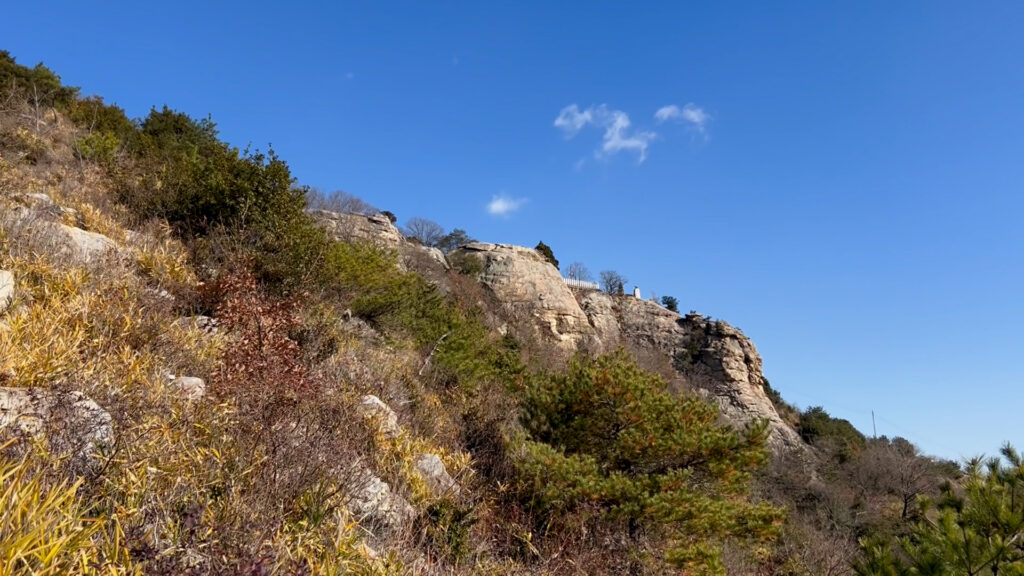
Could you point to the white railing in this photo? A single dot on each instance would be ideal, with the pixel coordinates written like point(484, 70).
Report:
point(581, 284)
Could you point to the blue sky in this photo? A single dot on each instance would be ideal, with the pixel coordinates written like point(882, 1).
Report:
point(841, 180)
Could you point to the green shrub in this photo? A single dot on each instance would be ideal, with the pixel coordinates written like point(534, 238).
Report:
point(818, 427)
point(466, 263)
point(99, 147)
point(445, 527)
point(37, 85)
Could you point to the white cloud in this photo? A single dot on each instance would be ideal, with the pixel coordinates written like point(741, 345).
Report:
point(618, 138)
point(502, 205)
point(617, 135)
point(690, 114)
point(570, 120)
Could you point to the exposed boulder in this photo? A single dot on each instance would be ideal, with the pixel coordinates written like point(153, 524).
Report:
point(189, 387)
point(433, 471)
point(70, 422)
point(380, 414)
point(532, 290)
point(372, 501)
point(6, 290)
point(38, 228)
point(204, 324)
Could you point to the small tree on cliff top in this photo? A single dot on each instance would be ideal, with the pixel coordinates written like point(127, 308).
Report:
point(612, 282)
point(546, 252)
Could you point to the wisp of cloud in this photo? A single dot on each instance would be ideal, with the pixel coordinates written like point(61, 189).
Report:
point(502, 205)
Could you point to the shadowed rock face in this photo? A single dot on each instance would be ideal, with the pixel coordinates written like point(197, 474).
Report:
point(530, 288)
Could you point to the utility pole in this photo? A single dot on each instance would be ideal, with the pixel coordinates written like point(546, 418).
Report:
point(874, 431)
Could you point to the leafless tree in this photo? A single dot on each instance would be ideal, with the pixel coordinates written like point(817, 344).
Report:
point(577, 271)
point(897, 468)
point(427, 232)
point(339, 201)
point(612, 282)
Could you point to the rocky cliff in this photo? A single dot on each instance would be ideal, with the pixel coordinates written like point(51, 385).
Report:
point(531, 291)
point(708, 355)
point(711, 356)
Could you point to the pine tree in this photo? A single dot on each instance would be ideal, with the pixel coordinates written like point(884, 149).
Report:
point(607, 432)
point(975, 528)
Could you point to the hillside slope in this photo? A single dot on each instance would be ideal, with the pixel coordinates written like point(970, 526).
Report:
point(201, 375)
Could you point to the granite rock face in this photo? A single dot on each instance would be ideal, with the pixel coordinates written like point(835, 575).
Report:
point(531, 289)
point(710, 355)
point(722, 360)
point(348, 227)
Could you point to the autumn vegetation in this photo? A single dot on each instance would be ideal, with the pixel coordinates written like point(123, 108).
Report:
point(595, 466)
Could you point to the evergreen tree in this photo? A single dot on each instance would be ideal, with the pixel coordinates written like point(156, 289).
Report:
point(670, 303)
point(454, 239)
point(975, 528)
point(546, 252)
point(607, 432)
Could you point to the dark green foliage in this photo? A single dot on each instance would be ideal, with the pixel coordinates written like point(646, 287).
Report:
point(466, 263)
point(975, 527)
point(670, 303)
point(606, 432)
point(37, 85)
point(445, 527)
point(454, 239)
point(389, 215)
point(403, 302)
point(818, 427)
point(546, 252)
point(196, 182)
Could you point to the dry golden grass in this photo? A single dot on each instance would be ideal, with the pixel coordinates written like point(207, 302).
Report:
point(45, 528)
point(189, 486)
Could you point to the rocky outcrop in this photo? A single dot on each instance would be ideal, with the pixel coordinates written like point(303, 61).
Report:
point(379, 230)
point(532, 291)
point(348, 227)
point(720, 359)
point(37, 226)
point(373, 503)
point(6, 290)
point(379, 414)
point(69, 422)
point(625, 320)
point(711, 356)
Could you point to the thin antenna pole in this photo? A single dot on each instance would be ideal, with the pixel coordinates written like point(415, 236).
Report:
point(874, 431)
